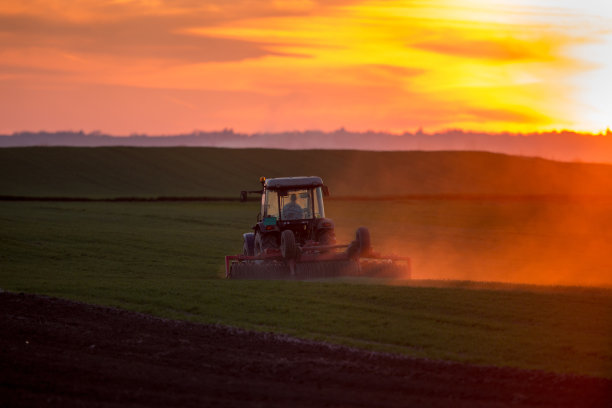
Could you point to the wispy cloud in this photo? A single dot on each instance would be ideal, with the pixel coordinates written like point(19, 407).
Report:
point(145, 37)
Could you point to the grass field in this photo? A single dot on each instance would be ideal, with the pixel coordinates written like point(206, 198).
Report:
point(153, 172)
point(166, 259)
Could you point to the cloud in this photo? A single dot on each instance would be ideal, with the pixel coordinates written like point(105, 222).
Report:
point(144, 37)
point(507, 49)
point(505, 115)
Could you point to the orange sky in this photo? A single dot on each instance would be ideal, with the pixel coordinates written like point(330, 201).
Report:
point(170, 66)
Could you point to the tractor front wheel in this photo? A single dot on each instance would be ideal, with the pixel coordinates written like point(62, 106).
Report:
point(263, 242)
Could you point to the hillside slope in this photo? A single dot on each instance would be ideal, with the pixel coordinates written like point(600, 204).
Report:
point(107, 172)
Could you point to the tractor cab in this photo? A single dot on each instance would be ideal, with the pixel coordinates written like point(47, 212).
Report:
point(292, 198)
point(290, 203)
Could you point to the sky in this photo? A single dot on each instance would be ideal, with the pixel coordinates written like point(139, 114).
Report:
point(177, 66)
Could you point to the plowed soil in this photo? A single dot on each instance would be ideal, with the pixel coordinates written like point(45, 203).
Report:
point(59, 353)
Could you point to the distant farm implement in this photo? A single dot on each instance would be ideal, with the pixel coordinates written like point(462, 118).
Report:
point(293, 239)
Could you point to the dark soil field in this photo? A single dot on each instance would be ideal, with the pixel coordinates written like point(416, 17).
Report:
point(61, 353)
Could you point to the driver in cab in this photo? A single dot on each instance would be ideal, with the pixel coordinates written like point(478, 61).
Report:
point(292, 210)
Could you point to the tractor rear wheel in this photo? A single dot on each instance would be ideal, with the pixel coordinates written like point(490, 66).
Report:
point(248, 246)
point(288, 245)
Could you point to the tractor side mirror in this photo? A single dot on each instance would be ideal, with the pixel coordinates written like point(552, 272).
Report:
point(325, 191)
point(243, 196)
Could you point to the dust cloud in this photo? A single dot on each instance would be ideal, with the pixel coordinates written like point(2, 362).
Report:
point(543, 242)
point(478, 217)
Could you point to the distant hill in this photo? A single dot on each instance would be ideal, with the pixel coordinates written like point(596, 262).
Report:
point(108, 172)
point(565, 146)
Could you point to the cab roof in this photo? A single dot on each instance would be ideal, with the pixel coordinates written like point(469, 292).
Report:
point(293, 182)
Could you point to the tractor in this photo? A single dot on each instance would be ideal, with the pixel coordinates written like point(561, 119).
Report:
point(293, 239)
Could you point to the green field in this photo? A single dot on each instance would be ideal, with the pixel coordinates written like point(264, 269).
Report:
point(487, 272)
point(166, 259)
point(153, 172)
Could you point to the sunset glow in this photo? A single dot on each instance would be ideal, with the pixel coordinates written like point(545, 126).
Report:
point(159, 66)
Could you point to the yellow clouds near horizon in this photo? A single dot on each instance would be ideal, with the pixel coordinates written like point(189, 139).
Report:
point(172, 66)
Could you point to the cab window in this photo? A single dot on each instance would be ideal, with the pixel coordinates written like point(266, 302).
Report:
point(270, 204)
point(319, 210)
point(296, 204)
